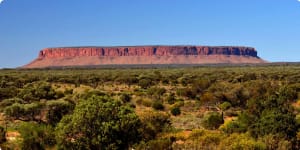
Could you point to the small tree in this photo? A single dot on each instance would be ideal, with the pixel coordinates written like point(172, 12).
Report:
point(273, 115)
point(99, 123)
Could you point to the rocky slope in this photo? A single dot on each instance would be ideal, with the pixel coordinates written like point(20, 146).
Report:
point(87, 56)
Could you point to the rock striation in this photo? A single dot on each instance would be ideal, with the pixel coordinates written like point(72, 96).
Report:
point(87, 56)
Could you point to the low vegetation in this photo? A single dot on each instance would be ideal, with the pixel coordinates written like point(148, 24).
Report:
point(173, 108)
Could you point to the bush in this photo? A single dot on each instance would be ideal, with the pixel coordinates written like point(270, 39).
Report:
point(36, 136)
point(171, 99)
point(99, 123)
point(208, 98)
point(2, 135)
point(212, 120)
point(225, 105)
point(9, 102)
point(197, 133)
point(234, 127)
point(89, 93)
point(179, 103)
point(273, 142)
point(157, 105)
point(37, 91)
point(125, 98)
point(153, 122)
point(202, 139)
point(186, 92)
point(156, 92)
point(8, 92)
point(175, 111)
point(159, 144)
point(231, 112)
point(210, 139)
point(145, 83)
point(275, 122)
point(146, 103)
point(15, 111)
point(33, 110)
point(241, 141)
point(273, 116)
point(57, 109)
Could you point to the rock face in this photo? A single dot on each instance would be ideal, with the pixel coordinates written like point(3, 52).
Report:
point(81, 56)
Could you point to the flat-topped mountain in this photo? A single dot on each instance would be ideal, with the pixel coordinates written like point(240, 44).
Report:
point(119, 55)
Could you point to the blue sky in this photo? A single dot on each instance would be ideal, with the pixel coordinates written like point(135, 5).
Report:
point(27, 26)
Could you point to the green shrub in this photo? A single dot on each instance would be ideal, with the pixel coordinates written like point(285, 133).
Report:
point(179, 103)
point(241, 141)
point(208, 98)
point(197, 133)
point(36, 136)
point(59, 94)
point(9, 102)
point(171, 99)
point(273, 142)
point(157, 144)
point(212, 120)
point(146, 103)
point(204, 139)
point(37, 91)
point(175, 111)
point(125, 97)
point(156, 92)
point(273, 121)
point(33, 110)
point(153, 123)
point(99, 123)
point(89, 93)
point(145, 83)
point(225, 105)
point(210, 139)
point(57, 109)
point(231, 112)
point(8, 92)
point(15, 111)
point(157, 105)
point(186, 92)
point(234, 127)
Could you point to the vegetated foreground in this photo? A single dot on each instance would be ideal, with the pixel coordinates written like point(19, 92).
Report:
point(180, 108)
point(135, 55)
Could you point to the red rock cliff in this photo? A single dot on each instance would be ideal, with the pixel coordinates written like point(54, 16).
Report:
point(145, 51)
point(86, 56)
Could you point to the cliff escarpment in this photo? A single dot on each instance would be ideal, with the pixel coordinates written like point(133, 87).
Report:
point(81, 56)
point(145, 51)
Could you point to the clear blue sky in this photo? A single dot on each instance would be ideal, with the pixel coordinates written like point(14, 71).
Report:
point(27, 26)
